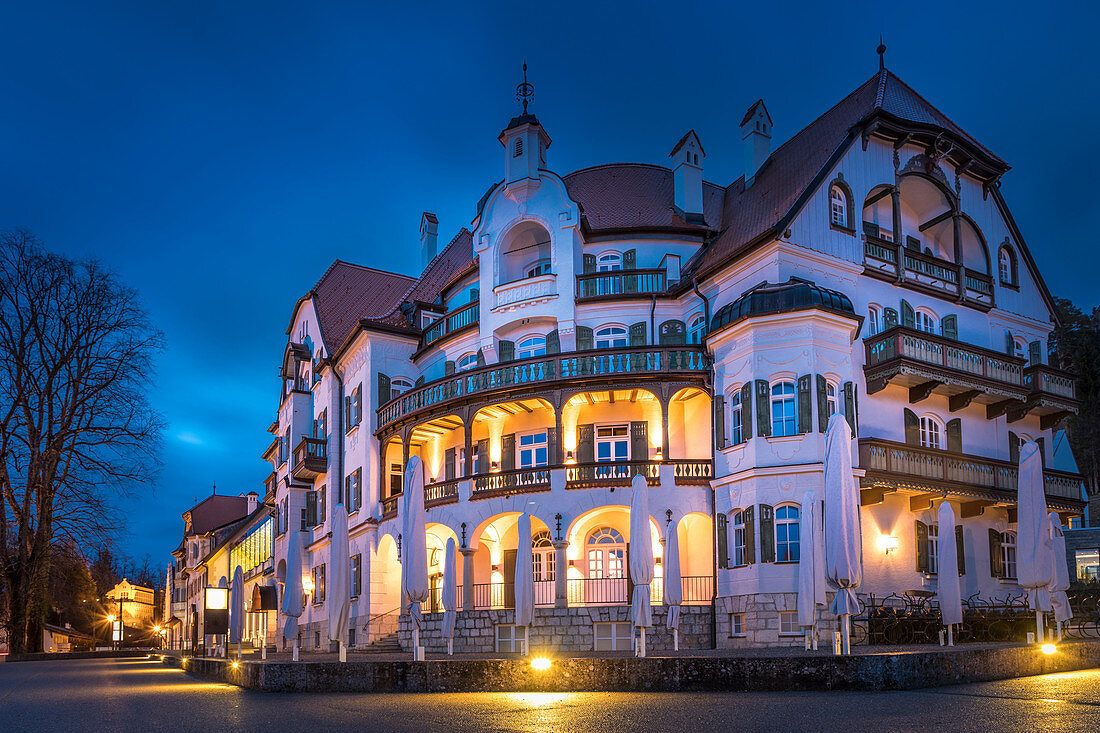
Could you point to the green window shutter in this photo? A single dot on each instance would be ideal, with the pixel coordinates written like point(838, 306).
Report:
point(912, 428)
point(750, 536)
point(589, 264)
point(889, 318)
point(449, 464)
point(311, 508)
point(484, 463)
point(630, 259)
point(481, 357)
point(719, 404)
point(805, 418)
point(508, 452)
point(921, 535)
point(584, 338)
point(851, 407)
point(1042, 443)
point(949, 326)
point(383, 389)
point(763, 407)
point(746, 411)
point(722, 540)
point(323, 508)
point(870, 228)
point(822, 404)
point(419, 381)
point(1013, 447)
point(507, 350)
point(1010, 344)
point(1035, 353)
point(358, 488)
point(586, 448)
point(448, 368)
point(553, 342)
point(639, 440)
point(954, 435)
point(908, 316)
point(767, 533)
point(672, 333)
point(960, 551)
point(996, 559)
point(637, 334)
point(553, 447)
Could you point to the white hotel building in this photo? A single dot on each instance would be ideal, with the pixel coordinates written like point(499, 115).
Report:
point(634, 318)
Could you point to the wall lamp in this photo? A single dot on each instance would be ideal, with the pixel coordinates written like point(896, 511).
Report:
point(888, 542)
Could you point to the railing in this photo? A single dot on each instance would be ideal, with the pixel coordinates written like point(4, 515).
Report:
point(908, 343)
point(610, 473)
point(932, 267)
point(310, 457)
point(930, 271)
point(689, 471)
point(957, 468)
point(389, 505)
point(1043, 378)
point(620, 282)
point(544, 370)
point(542, 286)
point(442, 492)
point(449, 323)
point(502, 595)
point(514, 481)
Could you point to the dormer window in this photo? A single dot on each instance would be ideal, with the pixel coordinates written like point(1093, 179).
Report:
point(539, 267)
point(517, 150)
point(610, 262)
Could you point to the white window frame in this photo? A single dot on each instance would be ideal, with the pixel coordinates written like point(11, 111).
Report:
point(531, 447)
point(609, 261)
point(537, 268)
point(532, 348)
point(613, 436)
point(932, 432)
point(782, 401)
point(697, 329)
point(600, 564)
point(737, 624)
point(617, 636)
point(838, 207)
point(1008, 555)
point(832, 399)
point(933, 547)
point(1021, 349)
point(514, 638)
point(399, 386)
point(466, 362)
point(1004, 266)
point(788, 623)
point(874, 320)
point(543, 556)
point(926, 321)
point(736, 433)
point(787, 545)
point(737, 527)
point(606, 336)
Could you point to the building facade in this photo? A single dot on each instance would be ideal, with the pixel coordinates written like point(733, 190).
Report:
point(638, 319)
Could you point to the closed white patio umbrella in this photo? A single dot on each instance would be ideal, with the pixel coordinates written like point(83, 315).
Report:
point(948, 590)
point(525, 581)
point(1060, 583)
point(843, 535)
point(673, 584)
point(1033, 563)
point(449, 594)
point(339, 587)
point(292, 605)
point(641, 559)
point(811, 567)
point(414, 562)
point(236, 610)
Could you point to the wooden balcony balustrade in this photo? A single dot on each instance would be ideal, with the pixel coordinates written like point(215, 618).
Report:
point(449, 323)
point(620, 282)
point(926, 273)
point(310, 458)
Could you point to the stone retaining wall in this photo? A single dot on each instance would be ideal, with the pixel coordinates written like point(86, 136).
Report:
point(55, 656)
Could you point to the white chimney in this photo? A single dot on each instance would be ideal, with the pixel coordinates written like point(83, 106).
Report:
point(686, 160)
point(429, 227)
point(756, 134)
point(253, 501)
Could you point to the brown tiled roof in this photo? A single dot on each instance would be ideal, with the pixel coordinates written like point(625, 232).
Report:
point(449, 264)
point(216, 511)
point(348, 293)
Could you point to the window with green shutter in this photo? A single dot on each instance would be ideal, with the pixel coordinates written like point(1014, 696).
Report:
point(763, 408)
point(584, 338)
point(960, 551)
point(767, 533)
point(722, 540)
point(912, 428)
point(822, 404)
point(920, 531)
point(719, 404)
point(805, 416)
point(889, 317)
point(746, 411)
point(637, 334)
point(586, 446)
point(908, 315)
point(506, 351)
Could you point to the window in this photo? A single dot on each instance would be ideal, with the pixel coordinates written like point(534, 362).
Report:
point(1008, 555)
point(930, 432)
point(933, 547)
point(786, 533)
point(609, 262)
point(612, 443)
point(739, 539)
point(925, 321)
point(788, 622)
point(467, 361)
point(697, 329)
point(737, 624)
point(353, 486)
point(1006, 266)
point(353, 408)
point(356, 575)
point(319, 583)
point(832, 404)
point(396, 479)
point(610, 337)
point(1020, 348)
point(531, 346)
point(1088, 564)
point(784, 419)
point(532, 450)
point(517, 150)
point(538, 267)
point(400, 386)
point(838, 207)
point(874, 320)
point(606, 554)
point(613, 637)
point(351, 638)
point(543, 557)
point(736, 434)
point(510, 639)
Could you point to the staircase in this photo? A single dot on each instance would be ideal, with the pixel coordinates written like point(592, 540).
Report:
point(387, 644)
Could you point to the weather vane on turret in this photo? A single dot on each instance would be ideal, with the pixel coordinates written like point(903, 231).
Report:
point(525, 92)
point(881, 53)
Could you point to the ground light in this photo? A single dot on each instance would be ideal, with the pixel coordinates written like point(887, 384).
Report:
point(1049, 648)
point(540, 663)
point(236, 664)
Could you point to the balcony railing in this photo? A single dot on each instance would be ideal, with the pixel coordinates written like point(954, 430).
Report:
point(310, 458)
point(389, 505)
point(948, 470)
point(926, 272)
point(628, 364)
point(697, 590)
point(1048, 380)
point(620, 282)
point(443, 492)
point(611, 473)
point(689, 471)
point(517, 481)
point(525, 292)
point(449, 323)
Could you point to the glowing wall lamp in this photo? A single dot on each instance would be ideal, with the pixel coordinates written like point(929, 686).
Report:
point(888, 542)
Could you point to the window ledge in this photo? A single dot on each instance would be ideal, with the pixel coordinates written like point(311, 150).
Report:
point(785, 562)
point(842, 229)
point(1009, 581)
point(784, 438)
point(352, 429)
point(738, 636)
point(1010, 286)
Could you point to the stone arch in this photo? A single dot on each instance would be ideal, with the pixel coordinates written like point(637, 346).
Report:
point(526, 243)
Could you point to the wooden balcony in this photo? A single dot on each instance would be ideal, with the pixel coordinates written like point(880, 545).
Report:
point(1052, 395)
point(890, 466)
point(440, 493)
point(506, 483)
point(925, 273)
point(620, 283)
point(929, 364)
point(605, 368)
point(271, 485)
point(457, 320)
point(310, 459)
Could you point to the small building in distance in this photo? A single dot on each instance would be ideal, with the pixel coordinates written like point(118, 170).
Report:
point(132, 603)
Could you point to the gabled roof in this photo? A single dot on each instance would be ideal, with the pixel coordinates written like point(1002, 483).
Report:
point(752, 110)
point(348, 293)
point(216, 511)
point(683, 141)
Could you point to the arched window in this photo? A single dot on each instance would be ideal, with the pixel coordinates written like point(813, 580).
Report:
point(467, 361)
point(1008, 554)
point(697, 329)
point(538, 267)
point(609, 262)
point(531, 346)
point(931, 432)
point(786, 533)
point(874, 320)
point(606, 554)
point(1006, 266)
point(610, 337)
point(784, 413)
point(832, 404)
point(738, 525)
point(399, 386)
point(838, 207)
point(1021, 348)
point(736, 435)
point(543, 555)
point(926, 321)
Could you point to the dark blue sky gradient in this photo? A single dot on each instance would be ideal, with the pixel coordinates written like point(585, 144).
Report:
point(220, 155)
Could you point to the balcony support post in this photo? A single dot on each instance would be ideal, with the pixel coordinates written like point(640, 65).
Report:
point(923, 391)
point(895, 206)
point(467, 578)
point(664, 423)
point(561, 574)
point(962, 400)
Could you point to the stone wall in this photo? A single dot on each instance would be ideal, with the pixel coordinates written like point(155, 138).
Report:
point(367, 631)
point(557, 629)
point(761, 626)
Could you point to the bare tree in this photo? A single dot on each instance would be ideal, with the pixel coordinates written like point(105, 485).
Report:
point(76, 429)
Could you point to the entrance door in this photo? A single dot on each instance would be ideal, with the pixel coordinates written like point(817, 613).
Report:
point(510, 578)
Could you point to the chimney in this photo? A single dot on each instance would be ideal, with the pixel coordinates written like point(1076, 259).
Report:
point(253, 501)
point(686, 160)
point(429, 227)
point(756, 134)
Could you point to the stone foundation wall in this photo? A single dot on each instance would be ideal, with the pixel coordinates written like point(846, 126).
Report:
point(761, 626)
point(379, 627)
point(556, 629)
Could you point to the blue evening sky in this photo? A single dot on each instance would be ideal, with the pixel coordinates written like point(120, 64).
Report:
point(220, 155)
